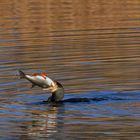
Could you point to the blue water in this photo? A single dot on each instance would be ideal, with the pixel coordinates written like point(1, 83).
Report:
point(37, 119)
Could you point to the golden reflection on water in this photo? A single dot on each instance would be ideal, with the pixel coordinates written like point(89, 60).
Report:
point(87, 45)
point(97, 43)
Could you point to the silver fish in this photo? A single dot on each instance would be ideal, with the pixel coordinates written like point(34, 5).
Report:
point(40, 80)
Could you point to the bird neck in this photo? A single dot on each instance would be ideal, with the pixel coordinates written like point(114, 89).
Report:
point(58, 94)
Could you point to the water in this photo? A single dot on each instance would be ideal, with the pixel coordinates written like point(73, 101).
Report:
point(92, 48)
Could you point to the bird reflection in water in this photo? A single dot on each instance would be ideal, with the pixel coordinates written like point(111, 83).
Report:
point(46, 123)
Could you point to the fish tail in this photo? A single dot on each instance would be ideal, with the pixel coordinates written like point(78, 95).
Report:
point(22, 74)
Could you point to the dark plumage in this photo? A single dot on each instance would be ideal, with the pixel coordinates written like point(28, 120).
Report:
point(58, 94)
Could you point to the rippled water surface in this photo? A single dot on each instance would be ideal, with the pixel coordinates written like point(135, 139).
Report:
point(92, 47)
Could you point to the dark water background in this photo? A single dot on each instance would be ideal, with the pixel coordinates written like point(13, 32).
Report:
point(92, 47)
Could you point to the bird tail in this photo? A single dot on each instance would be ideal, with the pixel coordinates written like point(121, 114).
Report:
point(22, 74)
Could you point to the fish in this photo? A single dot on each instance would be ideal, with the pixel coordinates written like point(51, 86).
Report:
point(40, 80)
